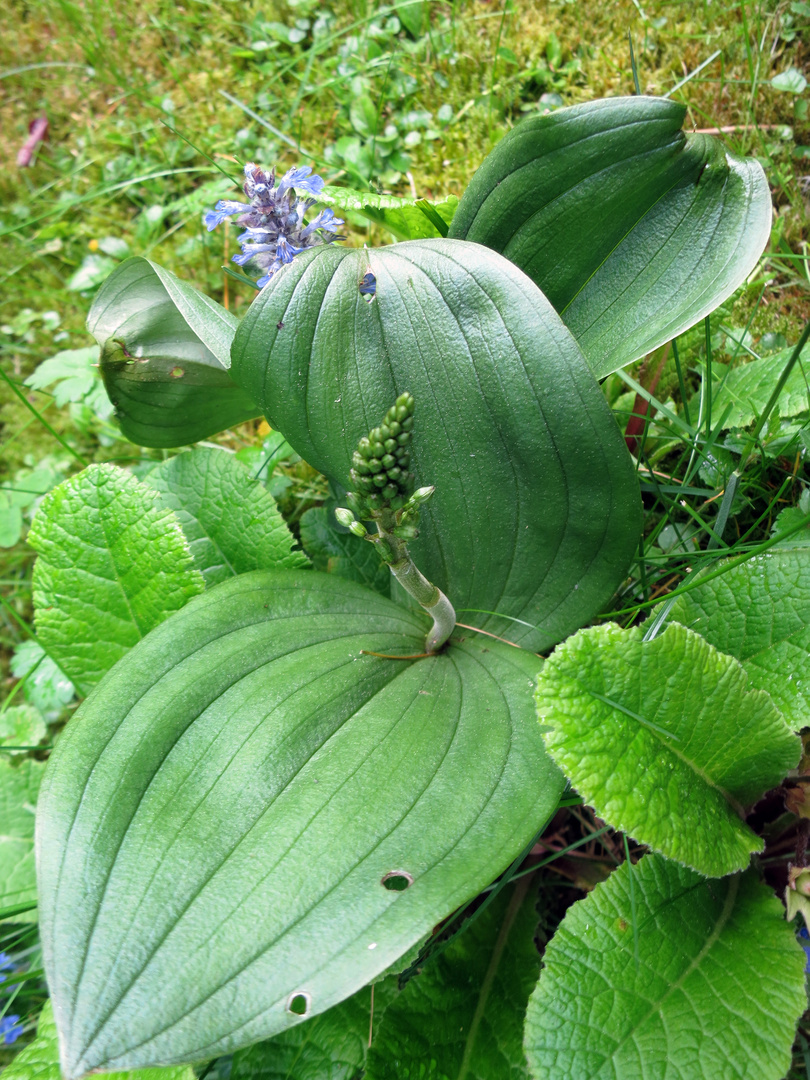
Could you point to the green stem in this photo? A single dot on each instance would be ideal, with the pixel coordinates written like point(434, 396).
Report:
point(413, 581)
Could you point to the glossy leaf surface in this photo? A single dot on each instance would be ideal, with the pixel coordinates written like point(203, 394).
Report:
point(40, 1059)
point(536, 510)
point(230, 520)
point(217, 819)
point(165, 353)
point(716, 991)
point(759, 612)
point(463, 1015)
point(665, 739)
point(112, 564)
point(632, 229)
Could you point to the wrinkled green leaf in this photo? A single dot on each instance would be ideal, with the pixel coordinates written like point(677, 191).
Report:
point(633, 230)
point(463, 1015)
point(73, 372)
point(665, 740)
point(112, 564)
point(40, 1059)
point(332, 1046)
point(716, 992)
point(46, 686)
point(759, 612)
point(402, 216)
point(21, 725)
point(536, 510)
point(19, 785)
point(748, 388)
point(165, 351)
point(790, 518)
point(217, 818)
point(231, 522)
point(338, 552)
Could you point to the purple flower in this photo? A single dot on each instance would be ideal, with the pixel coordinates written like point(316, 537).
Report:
point(273, 220)
point(10, 1028)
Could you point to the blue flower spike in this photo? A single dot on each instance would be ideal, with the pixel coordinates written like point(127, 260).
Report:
point(273, 219)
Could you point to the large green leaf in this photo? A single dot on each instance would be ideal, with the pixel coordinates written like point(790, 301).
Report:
point(231, 522)
point(665, 740)
point(332, 1046)
point(218, 821)
point(165, 353)
point(112, 564)
point(713, 991)
point(19, 784)
point(632, 229)
point(40, 1059)
point(536, 511)
point(463, 1016)
point(759, 611)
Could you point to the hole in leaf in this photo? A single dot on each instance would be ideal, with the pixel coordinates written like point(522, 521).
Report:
point(299, 1004)
point(368, 286)
point(396, 880)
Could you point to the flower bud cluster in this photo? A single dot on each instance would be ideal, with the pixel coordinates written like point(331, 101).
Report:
point(380, 464)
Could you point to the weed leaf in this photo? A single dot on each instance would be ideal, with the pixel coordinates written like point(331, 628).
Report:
point(112, 565)
point(19, 784)
point(463, 1015)
point(665, 739)
point(231, 522)
point(759, 612)
point(716, 991)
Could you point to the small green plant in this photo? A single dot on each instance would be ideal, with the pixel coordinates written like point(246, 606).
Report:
point(282, 779)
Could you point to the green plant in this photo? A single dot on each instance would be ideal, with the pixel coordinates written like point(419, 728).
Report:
point(273, 794)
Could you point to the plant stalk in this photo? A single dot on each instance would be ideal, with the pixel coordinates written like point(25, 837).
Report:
point(413, 581)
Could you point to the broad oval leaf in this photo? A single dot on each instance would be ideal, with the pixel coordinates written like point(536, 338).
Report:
point(632, 229)
point(759, 612)
point(165, 354)
point(663, 973)
point(536, 513)
point(665, 739)
point(39, 1060)
point(230, 520)
point(217, 820)
point(112, 564)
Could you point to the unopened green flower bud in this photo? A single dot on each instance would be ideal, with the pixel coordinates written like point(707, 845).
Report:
point(358, 528)
point(380, 480)
point(389, 461)
point(422, 494)
point(344, 516)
